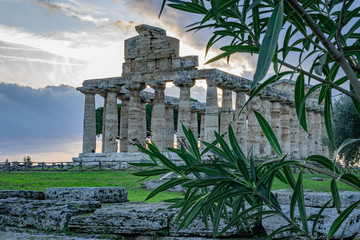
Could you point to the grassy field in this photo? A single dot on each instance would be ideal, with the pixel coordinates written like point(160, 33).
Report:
point(41, 180)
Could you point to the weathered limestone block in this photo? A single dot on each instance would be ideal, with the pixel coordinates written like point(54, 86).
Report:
point(35, 195)
point(42, 214)
point(194, 124)
point(330, 214)
point(129, 218)
point(294, 134)
point(102, 194)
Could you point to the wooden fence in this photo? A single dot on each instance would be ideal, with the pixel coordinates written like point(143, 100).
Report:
point(68, 166)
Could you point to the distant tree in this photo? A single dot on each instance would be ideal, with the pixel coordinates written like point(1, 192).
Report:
point(27, 160)
point(346, 126)
point(99, 119)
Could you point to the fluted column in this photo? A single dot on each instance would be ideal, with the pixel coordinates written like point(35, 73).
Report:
point(227, 114)
point(143, 135)
point(169, 126)
point(254, 127)
point(325, 149)
point(158, 121)
point(275, 120)
point(194, 123)
point(303, 143)
point(317, 133)
point(89, 130)
point(294, 134)
point(202, 126)
point(265, 111)
point(211, 110)
point(240, 126)
point(285, 128)
point(311, 135)
point(103, 94)
point(111, 122)
point(135, 117)
point(184, 118)
point(124, 124)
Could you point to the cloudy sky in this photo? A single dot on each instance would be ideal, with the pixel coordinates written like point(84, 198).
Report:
point(48, 47)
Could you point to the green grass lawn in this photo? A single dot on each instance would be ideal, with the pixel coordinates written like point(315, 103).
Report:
point(40, 180)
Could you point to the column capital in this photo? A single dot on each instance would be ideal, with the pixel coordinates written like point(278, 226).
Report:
point(135, 86)
point(156, 83)
point(87, 90)
point(184, 82)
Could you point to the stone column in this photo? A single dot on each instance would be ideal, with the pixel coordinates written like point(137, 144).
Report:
point(303, 143)
point(89, 131)
point(211, 110)
point(124, 124)
point(135, 116)
point(317, 133)
point(169, 126)
point(143, 136)
point(240, 125)
point(194, 123)
point(158, 121)
point(294, 134)
point(227, 114)
point(202, 126)
point(276, 121)
point(310, 127)
point(265, 111)
point(325, 149)
point(111, 122)
point(285, 128)
point(184, 117)
point(254, 127)
point(103, 94)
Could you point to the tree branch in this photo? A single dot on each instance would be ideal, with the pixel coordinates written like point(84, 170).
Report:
point(333, 85)
point(334, 53)
point(338, 31)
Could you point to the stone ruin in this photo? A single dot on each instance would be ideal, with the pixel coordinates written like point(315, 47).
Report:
point(152, 59)
point(106, 213)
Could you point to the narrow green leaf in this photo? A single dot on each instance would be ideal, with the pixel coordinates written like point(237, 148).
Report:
point(351, 178)
point(241, 48)
point(318, 216)
point(220, 56)
point(299, 98)
point(217, 218)
point(153, 172)
point(301, 204)
point(269, 43)
point(269, 134)
point(335, 195)
point(340, 219)
point(324, 161)
point(143, 164)
point(165, 186)
point(327, 118)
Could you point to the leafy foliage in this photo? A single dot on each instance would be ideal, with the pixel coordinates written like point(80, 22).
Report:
point(346, 126)
point(318, 39)
point(232, 187)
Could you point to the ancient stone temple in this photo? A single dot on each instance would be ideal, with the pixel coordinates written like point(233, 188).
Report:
point(152, 59)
